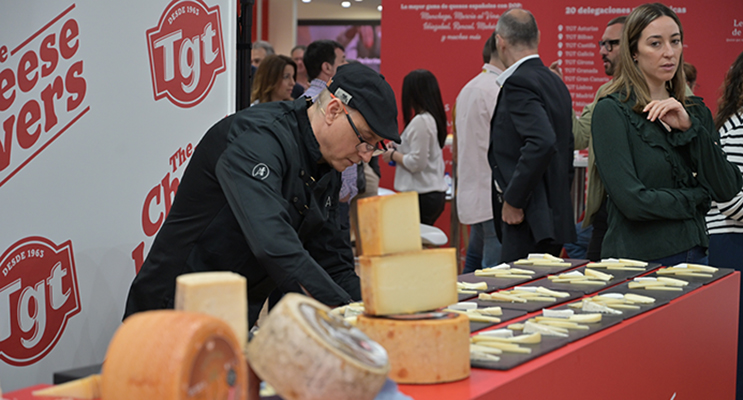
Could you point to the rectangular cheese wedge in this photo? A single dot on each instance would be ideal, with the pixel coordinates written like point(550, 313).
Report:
point(389, 224)
point(221, 294)
point(408, 282)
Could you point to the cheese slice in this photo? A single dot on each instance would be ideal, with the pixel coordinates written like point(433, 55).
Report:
point(501, 333)
point(220, 294)
point(408, 282)
point(533, 327)
point(422, 351)
point(305, 352)
point(592, 306)
point(389, 224)
point(84, 388)
point(169, 354)
point(557, 313)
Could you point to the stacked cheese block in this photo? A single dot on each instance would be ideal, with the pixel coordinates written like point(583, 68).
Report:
point(398, 280)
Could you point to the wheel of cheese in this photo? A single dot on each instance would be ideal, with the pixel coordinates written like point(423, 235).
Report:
point(424, 350)
point(174, 355)
point(305, 353)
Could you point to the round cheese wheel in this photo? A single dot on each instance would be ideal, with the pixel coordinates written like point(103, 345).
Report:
point(306, 353)
point(174, 355)
point(423, 350)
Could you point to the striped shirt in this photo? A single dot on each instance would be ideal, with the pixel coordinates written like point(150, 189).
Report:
point(727, 217)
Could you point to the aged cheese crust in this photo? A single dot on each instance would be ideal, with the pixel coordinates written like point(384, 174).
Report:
point(305, 353)
point(423, 351)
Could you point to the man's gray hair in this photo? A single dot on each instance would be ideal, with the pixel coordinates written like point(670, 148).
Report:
point(519, 27)
point(262, 44)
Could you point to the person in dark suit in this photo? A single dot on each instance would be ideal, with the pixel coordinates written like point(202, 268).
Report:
point(531, 146)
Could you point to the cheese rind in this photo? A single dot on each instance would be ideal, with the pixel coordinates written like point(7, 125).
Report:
point(389, 224)
point(169, 354)
point(305, 352)
point(423, 351)
point(408, 282)
point(220, 294)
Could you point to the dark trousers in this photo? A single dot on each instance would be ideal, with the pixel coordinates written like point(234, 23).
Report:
point(518, 240)
point(431, 206)
point(600, 225)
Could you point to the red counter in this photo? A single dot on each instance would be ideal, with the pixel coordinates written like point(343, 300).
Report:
point(683, 350)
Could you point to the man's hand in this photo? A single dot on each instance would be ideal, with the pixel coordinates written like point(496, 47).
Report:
point(511, 214)
point(555, 67)
point(387, 155)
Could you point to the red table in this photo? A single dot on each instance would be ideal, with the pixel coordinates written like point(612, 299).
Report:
point(683, 350)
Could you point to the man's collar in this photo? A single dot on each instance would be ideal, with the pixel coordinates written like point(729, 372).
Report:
point(491, 68)
point(307, 135)
point(510, 70)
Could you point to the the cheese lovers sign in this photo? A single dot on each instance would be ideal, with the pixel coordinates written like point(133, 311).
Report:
point(101, 107)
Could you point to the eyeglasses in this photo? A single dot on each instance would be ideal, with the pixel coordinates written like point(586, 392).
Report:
point(363, 147)
point(608, 44)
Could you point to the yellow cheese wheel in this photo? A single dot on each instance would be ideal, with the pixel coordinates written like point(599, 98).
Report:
point(306, 353)
point(425, 350)
point(389, 224)
point(174, 355)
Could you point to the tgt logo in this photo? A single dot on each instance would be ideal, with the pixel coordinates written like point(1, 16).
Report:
point(186, 52)
point(38, 295)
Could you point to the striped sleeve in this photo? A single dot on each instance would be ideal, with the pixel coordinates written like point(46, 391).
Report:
point(727, 217)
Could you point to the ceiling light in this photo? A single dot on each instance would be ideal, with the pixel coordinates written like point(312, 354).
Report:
point(306, 1)
point(379, 8)
point(346, 4)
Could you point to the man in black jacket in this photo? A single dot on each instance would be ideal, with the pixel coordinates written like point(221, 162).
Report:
point(260, 197)
point(531, 146)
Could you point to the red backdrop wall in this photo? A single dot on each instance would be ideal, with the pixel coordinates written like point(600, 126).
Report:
point(447, 37)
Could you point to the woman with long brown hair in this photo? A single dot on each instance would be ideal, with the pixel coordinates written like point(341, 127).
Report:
point(656, 149)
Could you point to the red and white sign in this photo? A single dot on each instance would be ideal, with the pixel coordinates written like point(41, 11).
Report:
point(42, 91)
point(88, 155)
point(186, 52)
point(38, 295)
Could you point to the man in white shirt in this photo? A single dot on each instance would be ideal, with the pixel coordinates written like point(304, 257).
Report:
point(474, 110)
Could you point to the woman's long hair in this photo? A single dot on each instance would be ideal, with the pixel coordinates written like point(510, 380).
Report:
point(628, 79)
point(420, 93)
point(732, 93)
point(269, 76)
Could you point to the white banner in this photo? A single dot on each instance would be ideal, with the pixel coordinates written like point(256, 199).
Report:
point(101, 106)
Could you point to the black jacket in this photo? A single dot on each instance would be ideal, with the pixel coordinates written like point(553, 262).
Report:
point(255, 200)
point(531, 154)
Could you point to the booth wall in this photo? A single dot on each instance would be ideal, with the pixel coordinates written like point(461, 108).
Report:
point(91, 150)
